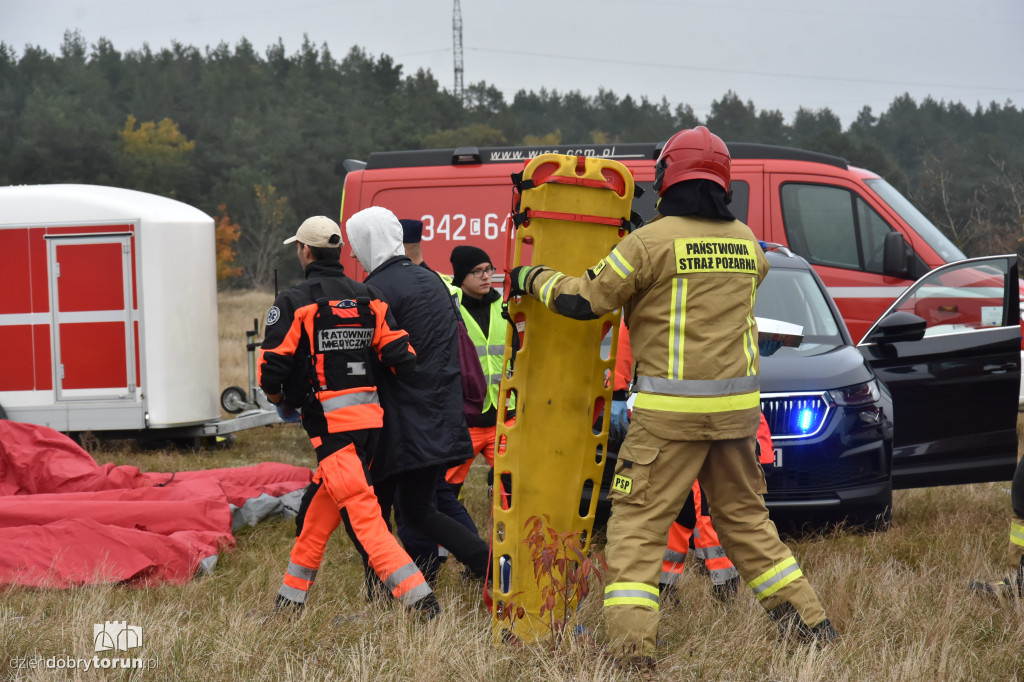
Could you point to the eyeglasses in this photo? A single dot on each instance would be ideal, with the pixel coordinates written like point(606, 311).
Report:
point(482, 272)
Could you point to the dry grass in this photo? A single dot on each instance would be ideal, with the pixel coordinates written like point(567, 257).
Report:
point(899, 597)
point(238, 310)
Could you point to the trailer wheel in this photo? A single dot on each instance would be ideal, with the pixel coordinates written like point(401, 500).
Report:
point(234, 400)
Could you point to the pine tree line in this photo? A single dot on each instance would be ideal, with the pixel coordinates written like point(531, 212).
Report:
point(258, 140)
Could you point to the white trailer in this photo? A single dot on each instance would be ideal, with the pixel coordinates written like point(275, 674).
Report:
point(109, 312)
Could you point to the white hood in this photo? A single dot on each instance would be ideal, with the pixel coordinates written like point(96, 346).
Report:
point(375, 235)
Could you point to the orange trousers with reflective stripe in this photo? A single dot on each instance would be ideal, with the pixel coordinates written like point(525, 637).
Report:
point(706, 544)
point(483, 443)
point(341, 483)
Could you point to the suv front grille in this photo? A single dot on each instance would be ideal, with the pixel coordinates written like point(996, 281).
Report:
point(795, 415)
point(811, 475)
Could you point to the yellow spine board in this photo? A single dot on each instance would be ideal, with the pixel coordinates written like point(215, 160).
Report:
point(560, 380)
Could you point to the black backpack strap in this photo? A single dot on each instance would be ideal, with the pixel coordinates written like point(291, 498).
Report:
point(636, 221)
point(366, 316)
point(318, 295)
point(515, 334)
point(454, 299)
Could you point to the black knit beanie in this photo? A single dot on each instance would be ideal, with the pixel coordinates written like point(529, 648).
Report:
point(464, 259)
point(412, 231)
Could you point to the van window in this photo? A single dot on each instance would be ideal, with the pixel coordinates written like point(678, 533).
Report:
point(922, 226)
point(740, 204)
point(833, 226)
point(819, 224)
point(873, 229)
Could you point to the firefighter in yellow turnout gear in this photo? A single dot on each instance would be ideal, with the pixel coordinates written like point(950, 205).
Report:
point(687, 283)
point(1012, 586)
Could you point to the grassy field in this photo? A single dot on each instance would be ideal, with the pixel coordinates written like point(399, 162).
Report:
point(900, 598)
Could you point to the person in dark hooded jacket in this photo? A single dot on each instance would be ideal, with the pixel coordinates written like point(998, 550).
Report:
point(425, 429)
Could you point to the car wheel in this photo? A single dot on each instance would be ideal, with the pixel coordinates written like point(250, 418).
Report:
point(880, 522)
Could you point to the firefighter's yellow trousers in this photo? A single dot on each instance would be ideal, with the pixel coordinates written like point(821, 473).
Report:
point(653, 477)
point(1016, 551)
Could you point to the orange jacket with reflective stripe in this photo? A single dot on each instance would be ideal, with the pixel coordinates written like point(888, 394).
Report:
point(324, 355)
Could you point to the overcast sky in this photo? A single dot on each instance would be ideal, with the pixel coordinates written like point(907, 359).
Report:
point(779, 54)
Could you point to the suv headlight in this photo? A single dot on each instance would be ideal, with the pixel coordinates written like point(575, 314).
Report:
point(861, 394)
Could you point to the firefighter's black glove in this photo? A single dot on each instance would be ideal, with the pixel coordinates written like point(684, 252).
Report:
point(519, 276)
point(287, 413)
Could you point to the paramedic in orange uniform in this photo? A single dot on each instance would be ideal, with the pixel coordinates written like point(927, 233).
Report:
point(325, 339)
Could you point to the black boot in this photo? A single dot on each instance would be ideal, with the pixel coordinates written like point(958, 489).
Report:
point(669, 594)
point(792, 626)
point(285, 605)
point(426, 608)
point(822, 632)
point(1007, 588)
point(727, 591)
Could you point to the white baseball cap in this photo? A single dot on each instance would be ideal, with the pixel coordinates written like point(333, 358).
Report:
point(318, 231)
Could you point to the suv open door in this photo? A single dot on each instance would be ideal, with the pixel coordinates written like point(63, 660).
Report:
point(948, 349)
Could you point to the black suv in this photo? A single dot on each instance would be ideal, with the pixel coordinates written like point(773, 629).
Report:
point(929, 397)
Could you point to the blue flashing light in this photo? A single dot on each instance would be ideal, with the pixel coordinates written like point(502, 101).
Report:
point(806, 420)
point(796, 416)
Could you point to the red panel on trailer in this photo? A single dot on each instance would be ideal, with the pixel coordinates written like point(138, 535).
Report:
point(15, 372)
point(14, 271)
point(99, 265)
point(93, 355)
point(42, 356)
point(37, 264)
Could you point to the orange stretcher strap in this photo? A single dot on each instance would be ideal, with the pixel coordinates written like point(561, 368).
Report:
point(524, 185)
point(529, 214)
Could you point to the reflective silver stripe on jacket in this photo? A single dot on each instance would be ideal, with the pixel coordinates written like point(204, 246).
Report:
point(350, 400)
point(698, 386)
point(301, 572)
point(399, 576)
point(619, 264)
point(493, 349)
point(415, 594)
point(494, 378)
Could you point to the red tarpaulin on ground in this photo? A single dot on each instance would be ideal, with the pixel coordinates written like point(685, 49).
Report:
point(65, 520)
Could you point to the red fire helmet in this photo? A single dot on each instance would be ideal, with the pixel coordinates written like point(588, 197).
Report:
point(691, 154)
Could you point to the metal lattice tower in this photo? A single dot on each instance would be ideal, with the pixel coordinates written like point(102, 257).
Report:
point(457, 47)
